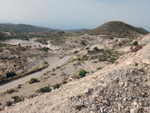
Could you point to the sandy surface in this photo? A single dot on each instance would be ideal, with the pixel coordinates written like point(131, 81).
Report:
point(25, 43)
point(124, 49)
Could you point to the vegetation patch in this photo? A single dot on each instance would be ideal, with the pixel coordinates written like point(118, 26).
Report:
point(10, 91)
point(85, 57)
point(135, 43)
point(56, 86)
point(95, 48)
point(110, 56)
point(44, 89)
point(82, 73)
point(58, 67)
point(44, 49)
point(11, 74)
point(33, 80)
point(17, 98)
point(9, 103)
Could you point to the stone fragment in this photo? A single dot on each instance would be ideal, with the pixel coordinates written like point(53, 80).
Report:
point(146, 61)
point(134, 110)
point(78, 106)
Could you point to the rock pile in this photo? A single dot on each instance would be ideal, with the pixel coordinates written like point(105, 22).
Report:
point(126, 90)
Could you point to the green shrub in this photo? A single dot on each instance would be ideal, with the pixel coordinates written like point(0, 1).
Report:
point(56, 86)
point(11, 74)
point(82, 73)
point(32, 80)
point(45, 62)
point(103, 57)
point(83, 43)
point(88, 51)
point(58, 67)
point(112, 60)
point(135, 43)
point(109, 52)
point(95, 48)
point(85, 57)
point(17, 98)
point(87, 48)
point(44, 89)
point(75, 52)
point(45, 49)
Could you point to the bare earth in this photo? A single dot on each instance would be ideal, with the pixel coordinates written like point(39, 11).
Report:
point(111, 89)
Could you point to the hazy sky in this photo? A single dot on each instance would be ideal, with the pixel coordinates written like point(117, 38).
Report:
point(72, 14)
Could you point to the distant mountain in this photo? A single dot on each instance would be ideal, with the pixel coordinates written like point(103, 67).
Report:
point(75, 30)
point(116, 29)
point(23, 28)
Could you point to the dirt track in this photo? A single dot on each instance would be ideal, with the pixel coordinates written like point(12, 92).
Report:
point(27, 78)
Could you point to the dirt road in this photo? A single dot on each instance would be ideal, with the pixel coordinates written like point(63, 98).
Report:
point(27, 78)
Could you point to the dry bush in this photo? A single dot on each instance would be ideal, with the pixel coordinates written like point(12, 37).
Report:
point(136, 48)
point(9, 103)
point(10, 91)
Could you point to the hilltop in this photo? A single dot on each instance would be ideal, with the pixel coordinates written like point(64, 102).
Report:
point(116, 29)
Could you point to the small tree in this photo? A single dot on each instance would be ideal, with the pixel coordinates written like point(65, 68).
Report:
point(135, 43)
point(95, 48)
point(32, 80)
point(83, 43)
point(82, 73)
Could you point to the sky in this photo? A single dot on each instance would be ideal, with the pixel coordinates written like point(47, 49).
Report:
point(75, 14)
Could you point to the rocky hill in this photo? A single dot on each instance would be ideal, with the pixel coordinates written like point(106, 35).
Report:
point(116, 29)
point(123, 87)
point(23, 28)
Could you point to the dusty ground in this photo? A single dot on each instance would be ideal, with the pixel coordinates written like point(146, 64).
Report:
point(124, 49)
point(121, 87)
point(54, 77)
point(25, 43)
point(71, 69)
